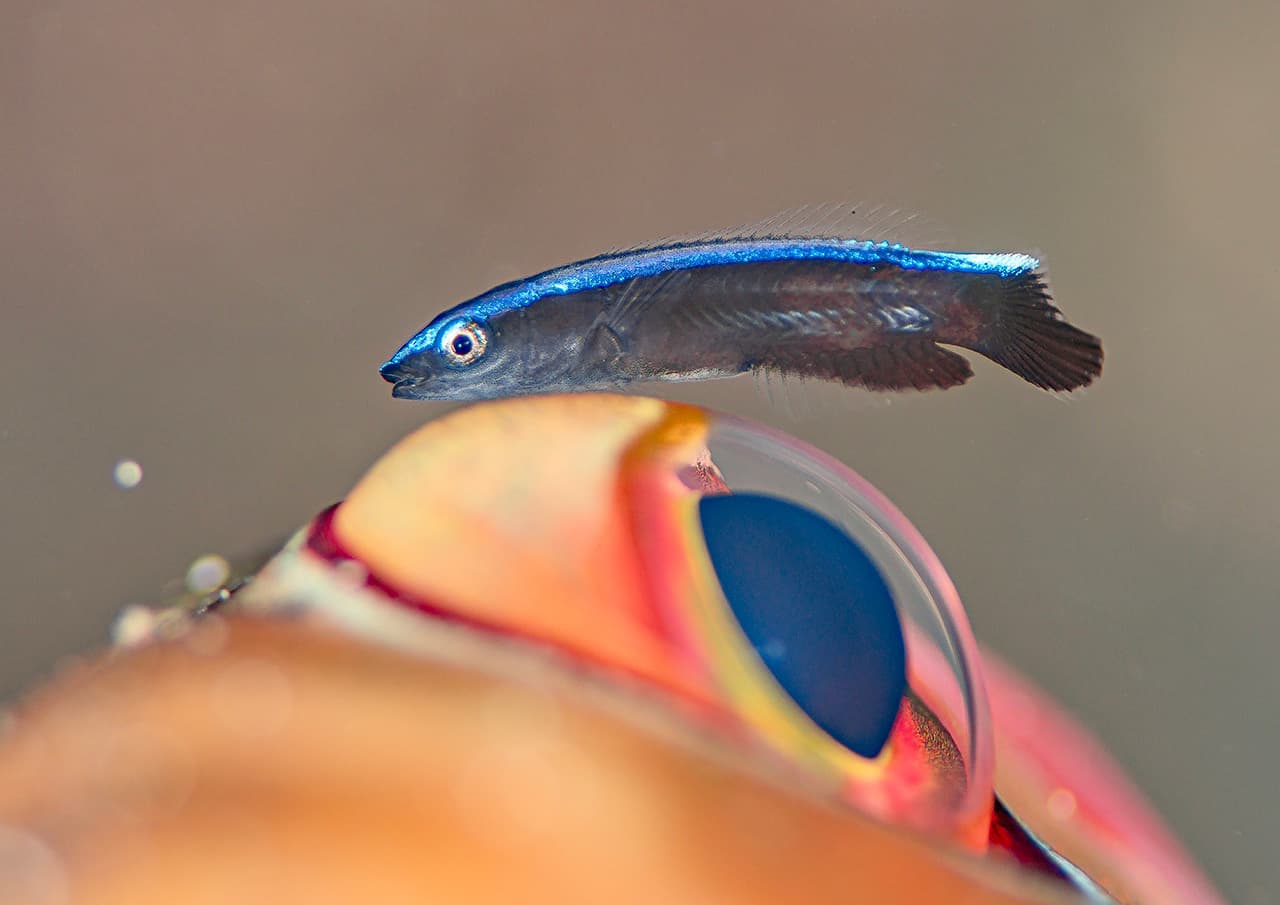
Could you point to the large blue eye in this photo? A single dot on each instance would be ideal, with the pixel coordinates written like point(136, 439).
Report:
point(817, 611)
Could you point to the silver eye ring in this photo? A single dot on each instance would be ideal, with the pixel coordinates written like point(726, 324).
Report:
point(463, 342)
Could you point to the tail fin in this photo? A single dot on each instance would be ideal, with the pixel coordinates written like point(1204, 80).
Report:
point(1028, 335)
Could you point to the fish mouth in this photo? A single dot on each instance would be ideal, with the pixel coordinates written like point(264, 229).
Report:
point(408, 382)
point(409, 388)
point(393, 371)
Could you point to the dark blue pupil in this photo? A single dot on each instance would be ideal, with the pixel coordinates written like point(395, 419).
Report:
point(462, 344)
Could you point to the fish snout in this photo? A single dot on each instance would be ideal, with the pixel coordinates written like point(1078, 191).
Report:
point(393, 372)
point(407, 379)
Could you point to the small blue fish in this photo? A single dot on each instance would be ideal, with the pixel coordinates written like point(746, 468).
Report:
point(861, 313)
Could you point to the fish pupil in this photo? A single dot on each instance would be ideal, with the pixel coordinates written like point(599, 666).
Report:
point(462, 344)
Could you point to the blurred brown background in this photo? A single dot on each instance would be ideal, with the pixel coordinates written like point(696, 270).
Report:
point(217, 219)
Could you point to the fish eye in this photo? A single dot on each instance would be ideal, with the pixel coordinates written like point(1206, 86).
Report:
point(463, 342)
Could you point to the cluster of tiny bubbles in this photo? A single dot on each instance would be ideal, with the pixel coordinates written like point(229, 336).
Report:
point(127, 474)
point(208, 573)
point(138, 624)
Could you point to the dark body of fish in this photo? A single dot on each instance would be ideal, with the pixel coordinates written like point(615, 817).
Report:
point(863, 314)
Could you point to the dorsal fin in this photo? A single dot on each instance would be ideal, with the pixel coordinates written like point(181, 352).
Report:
point(828, 220)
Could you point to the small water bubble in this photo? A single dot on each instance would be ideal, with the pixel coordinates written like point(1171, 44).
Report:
point(208, 573)
point(127, 474)
point(134, 625)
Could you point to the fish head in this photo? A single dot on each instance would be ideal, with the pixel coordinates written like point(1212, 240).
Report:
point(459, 356)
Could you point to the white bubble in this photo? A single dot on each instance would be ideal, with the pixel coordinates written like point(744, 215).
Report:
point(128, 474)
point(208, 573)
point(134, 625)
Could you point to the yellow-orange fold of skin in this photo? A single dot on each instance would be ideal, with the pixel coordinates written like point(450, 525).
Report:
point(511, 514)
point(261, 761)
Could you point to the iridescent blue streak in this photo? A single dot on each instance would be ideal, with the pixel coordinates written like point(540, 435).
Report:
point(618, 267)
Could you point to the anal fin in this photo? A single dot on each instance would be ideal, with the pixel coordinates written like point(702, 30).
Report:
point(899, 363)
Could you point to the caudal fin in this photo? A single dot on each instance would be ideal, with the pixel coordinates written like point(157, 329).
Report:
point(1028, 335)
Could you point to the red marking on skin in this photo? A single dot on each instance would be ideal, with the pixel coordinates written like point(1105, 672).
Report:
point(1009, 836)
point(323, 542)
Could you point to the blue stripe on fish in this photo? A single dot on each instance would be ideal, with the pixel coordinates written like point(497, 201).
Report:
point(619, 267)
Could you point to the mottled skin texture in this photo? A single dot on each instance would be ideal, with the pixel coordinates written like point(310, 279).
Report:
point(862, 325)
